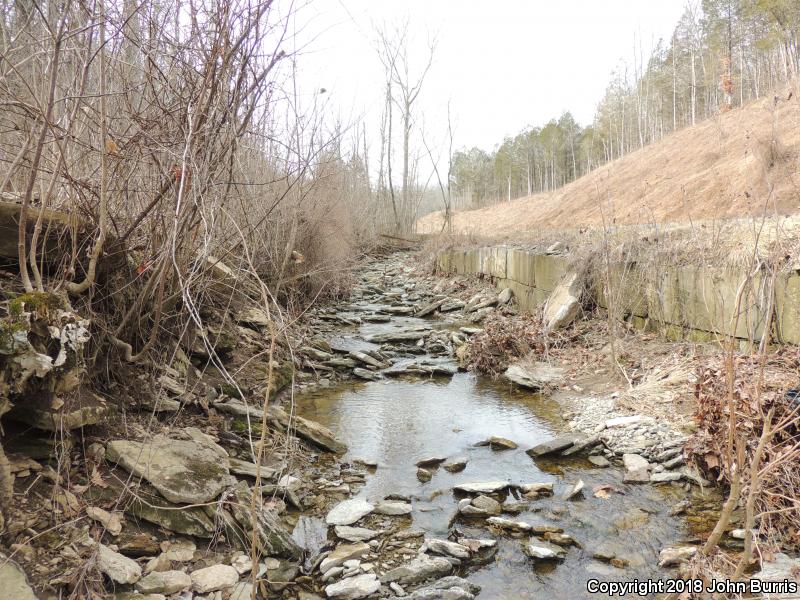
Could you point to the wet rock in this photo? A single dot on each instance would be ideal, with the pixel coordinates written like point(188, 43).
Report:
point(665, 477)
point(430, 308)
point(559, 539)
point(500, 443)
point(487, 505)
point(366, 375)
point(513, 507)
point(365, 358)
point(393, 508)
point(599, 461)
point(183, 471)
point(534, 376)
point(508, 524)
point(216, 577)
point(575, 491)
point(421, 568)
point(348, 512)
point(446, 548)
point(424, 475)
point(637, 469)
point(535, 490)
point(308, 430)
point(399, 336)
point(455, 465)
point(341, 554)
point(551, 446)
point(488, 487)
point(118, 568)
point(354, 534)
point(564, 302)
point(13, 581)
point(542, 551)
point(447, 588)
point(353, 588)
point(672, 557)
point(166, 582)
point(431, 461)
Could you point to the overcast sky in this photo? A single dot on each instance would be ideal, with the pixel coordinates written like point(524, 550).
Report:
point(503, 65)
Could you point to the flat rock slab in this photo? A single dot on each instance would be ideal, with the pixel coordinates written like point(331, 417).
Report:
point(354, 588)
point(555, 445)
point(118, 568)
point(183, 471)
point(212, 579)
point(535, 376)
point(393, 508)
point(488, 487)
point(348, 512)
point(308, 430)
point(354, 534)
point(13, 581)
point(421, 568)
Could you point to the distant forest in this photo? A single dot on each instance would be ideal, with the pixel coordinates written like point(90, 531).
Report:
point(722, 54)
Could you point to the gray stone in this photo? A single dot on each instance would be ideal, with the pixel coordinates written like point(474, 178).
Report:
point(599, 461)
point(537, 489)
point(354, 534)
point(353, 588)
point(505, 296)
point(551, 446)
point(118, 568)
point(211, 579)
point(564, 302)
point(447, 548)
point(673, 556)
point(455, 465)
point(341, 554)
point(183, 471)
point(575, 491)
point(665, 477)
point(508, 524)
point(421, 568)
point(348, 512)
point(166, 582)
point(393, 508)
point(534, 376)
point(637, 469)
point(501, 443)
point(488, 505)
point(424, 475)
point(13, 581)
point(487, 487)
point(543, 551)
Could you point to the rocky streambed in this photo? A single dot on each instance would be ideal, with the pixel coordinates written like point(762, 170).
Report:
point(388, 470)
point(476, 487)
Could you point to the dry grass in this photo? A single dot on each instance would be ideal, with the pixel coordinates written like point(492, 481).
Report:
point(742, 163)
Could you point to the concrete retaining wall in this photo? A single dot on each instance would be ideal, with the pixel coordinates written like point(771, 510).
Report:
point(684, 302)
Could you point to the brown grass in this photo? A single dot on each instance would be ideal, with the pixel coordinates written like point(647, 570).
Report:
point(742, 163)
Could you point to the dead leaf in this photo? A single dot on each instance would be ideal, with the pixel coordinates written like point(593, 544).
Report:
point(97, 479)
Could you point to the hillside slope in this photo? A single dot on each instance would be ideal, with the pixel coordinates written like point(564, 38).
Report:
point(734, 165)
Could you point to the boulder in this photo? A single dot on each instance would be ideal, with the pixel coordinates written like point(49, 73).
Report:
point(183, 471)
point(564, 303)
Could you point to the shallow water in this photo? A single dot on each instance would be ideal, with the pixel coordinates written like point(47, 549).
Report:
point(398, 422)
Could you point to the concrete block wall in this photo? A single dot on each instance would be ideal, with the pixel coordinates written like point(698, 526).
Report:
point(686, 302)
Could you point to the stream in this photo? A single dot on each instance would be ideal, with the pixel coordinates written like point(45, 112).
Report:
point(395, 422)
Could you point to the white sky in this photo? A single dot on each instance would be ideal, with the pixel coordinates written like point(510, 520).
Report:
point(503, 65)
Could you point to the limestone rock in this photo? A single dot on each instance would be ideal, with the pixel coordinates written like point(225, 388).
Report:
point(447, 548)
point(564, 303)
point(118, 568)
point(353, 588)
point(534, 376)
point(211, 579)
point(13, 581)
point(508, 524)
point(166, 582)
point(419, 569)
point(308, 430)
point(551, 446)
point(673, 556)
point(637, 469)
point(183, 471)
point(455, 465)
point(393, 508)
point(348, 512)
point(488, 487)
point(354, 534)
point(341, 554)
point(543, 551)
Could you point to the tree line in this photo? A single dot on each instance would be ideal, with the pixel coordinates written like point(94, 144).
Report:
point(722, 54)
